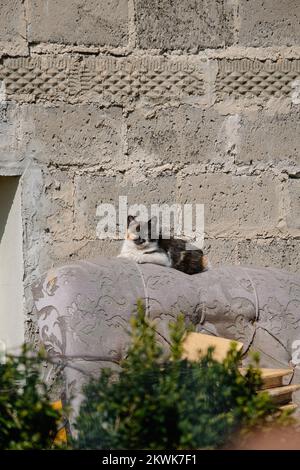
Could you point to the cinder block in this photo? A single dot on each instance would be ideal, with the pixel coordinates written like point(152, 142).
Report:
point(269, 22)
point(270, 138)
point(183, 24)
point(98, 22)
point(56, 253)
point(153, 190)
point(175, 135)
point(12, 28)
point(284, 254)
point(65, 134)
point(221, 251)
point(56, 214)
point(233, 205)
point(106, 80)
point(257, 81)
point(93, 190)
point(95, 248)
point(90, 191)
point(11, 139)
point(82, 135)
point(293, 204)
point(273, 252)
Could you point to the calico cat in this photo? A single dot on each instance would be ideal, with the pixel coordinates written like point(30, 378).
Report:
point(140, 247)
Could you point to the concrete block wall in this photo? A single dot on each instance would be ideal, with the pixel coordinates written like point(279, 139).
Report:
point(163, 101)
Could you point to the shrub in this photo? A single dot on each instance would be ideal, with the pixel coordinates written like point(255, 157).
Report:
point(27, 420)
point(156, 403)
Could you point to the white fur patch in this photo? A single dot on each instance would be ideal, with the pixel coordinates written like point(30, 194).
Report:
point(130, 251)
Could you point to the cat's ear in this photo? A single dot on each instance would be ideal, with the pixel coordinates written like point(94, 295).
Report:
point(130, 218)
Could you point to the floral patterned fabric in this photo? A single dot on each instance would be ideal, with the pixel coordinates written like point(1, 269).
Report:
point(84, 308)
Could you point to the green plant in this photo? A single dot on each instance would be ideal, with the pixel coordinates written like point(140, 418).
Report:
point(27, 419)
point(156, 403)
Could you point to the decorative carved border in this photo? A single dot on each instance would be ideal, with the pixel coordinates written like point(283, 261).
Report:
point(257, 79)
point(121, 80)
point(97, 79)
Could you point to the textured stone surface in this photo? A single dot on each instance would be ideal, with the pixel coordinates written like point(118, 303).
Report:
point(270, 138)
point(222, 251)
point(12, 139)
point(269, 22)
point(91, 190)
point(273, 252)
point(64, 135)
point(57, 214)
point(12, 28)
point(104, 80)
point(293, 204)
point(270, 252)
point(183, 24)
point(175, 135)
point(103, 22)
point(257, 79)
point(55, 253)
point(232, 202)
point(78, 135)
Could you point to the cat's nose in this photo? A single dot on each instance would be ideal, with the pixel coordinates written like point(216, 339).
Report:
point(139, 241)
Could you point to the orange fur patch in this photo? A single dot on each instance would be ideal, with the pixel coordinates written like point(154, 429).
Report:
point(204, 261)
point(130, 236)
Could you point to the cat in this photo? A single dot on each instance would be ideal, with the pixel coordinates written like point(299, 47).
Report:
point(142, 248)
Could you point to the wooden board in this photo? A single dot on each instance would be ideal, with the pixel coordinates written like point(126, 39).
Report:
point(289, 407)
point(271, 377)
point(197, 344)
point(282, 395)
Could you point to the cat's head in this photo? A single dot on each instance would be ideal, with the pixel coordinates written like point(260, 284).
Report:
point(142, 234)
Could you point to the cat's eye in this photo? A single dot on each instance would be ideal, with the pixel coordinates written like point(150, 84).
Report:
point(138, 228)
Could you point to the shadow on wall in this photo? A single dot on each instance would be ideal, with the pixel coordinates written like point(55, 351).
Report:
point(8, 189)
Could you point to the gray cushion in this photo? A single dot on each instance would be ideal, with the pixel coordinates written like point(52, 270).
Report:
point(84, 309)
